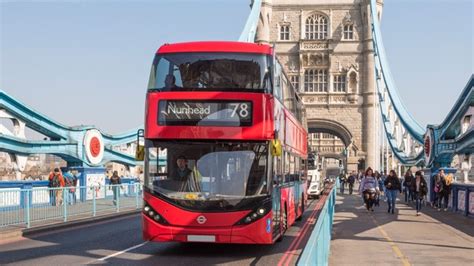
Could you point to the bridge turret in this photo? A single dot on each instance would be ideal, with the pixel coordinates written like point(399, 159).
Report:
point(264, 22)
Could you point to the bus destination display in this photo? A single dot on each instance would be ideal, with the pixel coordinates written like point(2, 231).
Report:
point(205, 113)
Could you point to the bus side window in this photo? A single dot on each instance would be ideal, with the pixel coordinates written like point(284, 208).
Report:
point(288, 172)
point(277, 170)
point(277, 91)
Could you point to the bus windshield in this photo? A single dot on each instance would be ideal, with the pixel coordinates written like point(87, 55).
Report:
point(203, 175)
point(210, 72)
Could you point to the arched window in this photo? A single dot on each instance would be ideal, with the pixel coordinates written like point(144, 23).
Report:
point(316, 80)
point(316, 27)
point(348, 32)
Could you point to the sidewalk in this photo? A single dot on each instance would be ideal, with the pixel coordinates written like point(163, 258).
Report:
point(379, 238)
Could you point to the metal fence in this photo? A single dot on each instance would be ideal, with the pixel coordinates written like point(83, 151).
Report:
point(316, 251)
point(41, 205)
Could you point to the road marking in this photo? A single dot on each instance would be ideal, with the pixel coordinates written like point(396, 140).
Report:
point(123, 251)
point(394, 246)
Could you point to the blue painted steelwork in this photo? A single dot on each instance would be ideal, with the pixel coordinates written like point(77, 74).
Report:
point(65, 142)
point(415, 129)
point(447, 137)
point(250, 29)
point(385, 83)
point(316, 251)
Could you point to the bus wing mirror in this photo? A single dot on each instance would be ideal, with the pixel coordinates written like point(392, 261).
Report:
point(140, 150)
point(276, 148)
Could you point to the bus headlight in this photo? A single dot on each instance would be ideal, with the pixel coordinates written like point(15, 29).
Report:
point(152, 214)
point(256, 213)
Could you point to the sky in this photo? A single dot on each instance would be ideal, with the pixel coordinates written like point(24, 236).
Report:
point(88, 62)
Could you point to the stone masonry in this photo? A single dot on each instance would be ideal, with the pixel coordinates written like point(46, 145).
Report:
point(325, 47)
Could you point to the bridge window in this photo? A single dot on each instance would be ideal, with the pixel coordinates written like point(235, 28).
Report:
point(339, 83)
point(284, 32)
point(348, 32)
point(315, 80)
point(316, 27)
point(295, 81)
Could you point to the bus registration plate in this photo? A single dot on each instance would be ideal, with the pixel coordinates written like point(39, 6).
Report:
point(201, 238)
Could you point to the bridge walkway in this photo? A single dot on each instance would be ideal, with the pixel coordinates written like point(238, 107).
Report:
point(380, 238)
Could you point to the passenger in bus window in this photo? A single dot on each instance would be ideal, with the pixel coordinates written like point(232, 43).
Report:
point(170, 82)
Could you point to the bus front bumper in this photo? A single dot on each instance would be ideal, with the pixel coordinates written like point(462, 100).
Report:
point(258, 232)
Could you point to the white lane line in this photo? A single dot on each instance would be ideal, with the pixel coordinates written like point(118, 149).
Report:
point(123, 251)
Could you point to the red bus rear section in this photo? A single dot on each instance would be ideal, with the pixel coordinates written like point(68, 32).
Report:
point(214, 111)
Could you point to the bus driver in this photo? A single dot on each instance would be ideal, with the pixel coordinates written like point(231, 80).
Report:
point(183, 172)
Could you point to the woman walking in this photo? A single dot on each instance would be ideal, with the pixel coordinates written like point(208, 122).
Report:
point(368, 188)
point(419, 188)
point(392, 185)
point(115, 183)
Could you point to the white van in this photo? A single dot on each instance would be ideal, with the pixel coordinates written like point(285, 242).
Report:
point(316, 183)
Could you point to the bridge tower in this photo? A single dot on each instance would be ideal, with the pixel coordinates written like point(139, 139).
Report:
point(326, 48)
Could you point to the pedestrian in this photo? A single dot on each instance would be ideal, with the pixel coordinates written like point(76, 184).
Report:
point(392, 185)
point(407, 185)
point(420, 189)
point(351, 181)
point(57, 185)
point(447, 182)
point(51, 191)
point(438, 189)
point(384, 176)
point(378, 176)
point(368, 188)
point(342, 181)
point(115, 182)
point(71, 183)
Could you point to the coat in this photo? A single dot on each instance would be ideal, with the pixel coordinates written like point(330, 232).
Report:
point(423, 187)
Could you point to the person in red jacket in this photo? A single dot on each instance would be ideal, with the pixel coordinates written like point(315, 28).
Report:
point(56, 183)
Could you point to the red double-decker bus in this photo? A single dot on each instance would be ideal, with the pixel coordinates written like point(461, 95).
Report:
point(224, 145)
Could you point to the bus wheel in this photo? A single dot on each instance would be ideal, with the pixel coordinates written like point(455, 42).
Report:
point(302, 208)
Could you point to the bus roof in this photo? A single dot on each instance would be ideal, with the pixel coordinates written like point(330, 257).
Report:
point(214, 46)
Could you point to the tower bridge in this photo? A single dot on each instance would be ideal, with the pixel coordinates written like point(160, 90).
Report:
point(335, 57)
point(334, 52)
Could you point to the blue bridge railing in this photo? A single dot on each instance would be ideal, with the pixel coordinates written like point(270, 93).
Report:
point(316, 251)
point(35, 205)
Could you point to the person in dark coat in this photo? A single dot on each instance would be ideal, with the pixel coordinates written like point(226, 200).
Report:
point(419, 188)
point(115, 181)
point(393, 186)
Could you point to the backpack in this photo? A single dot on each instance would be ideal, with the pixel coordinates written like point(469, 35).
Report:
point(55, 181)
